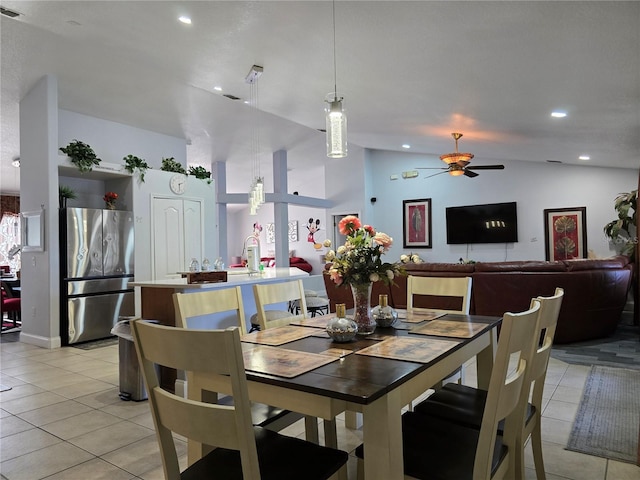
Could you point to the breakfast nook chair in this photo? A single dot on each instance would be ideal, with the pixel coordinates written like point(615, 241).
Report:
point(447, 295)
point(190, 305)
point(242, 451)
point(465, 405)
point(435, 448)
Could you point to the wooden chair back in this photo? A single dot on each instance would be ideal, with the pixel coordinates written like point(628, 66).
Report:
point(215, 352)
point(513, 359)
point(188, 305)
point(549, 312)
point(458, 288)
point(269, 294)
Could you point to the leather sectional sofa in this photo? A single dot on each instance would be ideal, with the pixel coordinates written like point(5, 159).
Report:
point(595, 291)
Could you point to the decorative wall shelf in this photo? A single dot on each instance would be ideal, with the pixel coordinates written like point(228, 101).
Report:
point(104, 171)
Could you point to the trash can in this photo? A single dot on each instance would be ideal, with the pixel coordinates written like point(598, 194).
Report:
point(131, 379)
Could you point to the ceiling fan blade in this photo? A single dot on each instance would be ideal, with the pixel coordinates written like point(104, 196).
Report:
point(486, 167)
point(469, 173)
point(431, 168)
point(439, 173)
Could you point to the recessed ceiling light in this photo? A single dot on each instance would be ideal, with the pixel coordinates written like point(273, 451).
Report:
point(217, 89)
point(558, 114)
point(184, 19)
point(584, 157)
point(406, 145)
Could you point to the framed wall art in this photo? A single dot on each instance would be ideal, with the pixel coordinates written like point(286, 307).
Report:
point(565, 232)
point(416, 218)
point(292, 232)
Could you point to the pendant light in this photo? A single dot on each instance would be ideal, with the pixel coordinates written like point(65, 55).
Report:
point(256, 189)
point(336, 119)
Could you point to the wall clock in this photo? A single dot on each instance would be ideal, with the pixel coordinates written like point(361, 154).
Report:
point(178, 183)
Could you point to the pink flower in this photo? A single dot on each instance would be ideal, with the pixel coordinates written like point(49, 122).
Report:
point(349, 224)
point(370, 230)
point(335, 276)
point(383, 239)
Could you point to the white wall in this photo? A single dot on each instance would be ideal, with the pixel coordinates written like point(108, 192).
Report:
point(112, 141)
point(534, 186)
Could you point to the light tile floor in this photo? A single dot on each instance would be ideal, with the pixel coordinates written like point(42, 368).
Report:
point(63, 420)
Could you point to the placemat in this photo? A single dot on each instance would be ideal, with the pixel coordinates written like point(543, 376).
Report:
point(282, 362)
point(278, 336)
point(448, 328)
point(315, 322)
point(418, 317)
point(409, 349)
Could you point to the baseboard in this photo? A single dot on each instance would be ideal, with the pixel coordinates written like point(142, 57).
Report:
point(39, 341)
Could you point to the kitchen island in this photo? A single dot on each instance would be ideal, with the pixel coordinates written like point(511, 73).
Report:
point(156, 298)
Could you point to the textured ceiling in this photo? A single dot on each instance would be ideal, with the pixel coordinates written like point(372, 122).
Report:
point(411, 72)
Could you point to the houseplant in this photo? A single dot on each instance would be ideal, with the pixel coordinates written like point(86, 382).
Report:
point(81, 155)
point(622, 231)
point(358, 263)
point(133, 163)
point(65, 193)
point(200, 172)
point(170, 165)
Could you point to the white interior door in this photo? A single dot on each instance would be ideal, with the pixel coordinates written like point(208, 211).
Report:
point(193, 245)
point(168, 237)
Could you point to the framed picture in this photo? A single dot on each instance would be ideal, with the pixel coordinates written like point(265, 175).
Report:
point(32, 225)
point(565, 232)
point(416, 219)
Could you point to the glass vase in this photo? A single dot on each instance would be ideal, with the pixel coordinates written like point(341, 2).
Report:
point(362, 308)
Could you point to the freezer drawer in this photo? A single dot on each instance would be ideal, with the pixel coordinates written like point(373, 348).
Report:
point(93, 317)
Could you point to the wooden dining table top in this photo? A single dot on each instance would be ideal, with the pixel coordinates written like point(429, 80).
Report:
point(362, 378)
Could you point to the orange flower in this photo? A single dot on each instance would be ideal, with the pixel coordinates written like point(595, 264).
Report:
point(349, 225)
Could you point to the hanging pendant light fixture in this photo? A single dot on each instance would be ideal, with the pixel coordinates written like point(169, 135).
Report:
point(256, 189)
point(336, 118)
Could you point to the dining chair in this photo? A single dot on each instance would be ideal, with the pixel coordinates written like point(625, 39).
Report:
point(444, 295)
point(465, 405)
point(9, 304)
point(230, 300)
point(270, 295)
point(436, 448)
point(242, 451)
point(270, 299)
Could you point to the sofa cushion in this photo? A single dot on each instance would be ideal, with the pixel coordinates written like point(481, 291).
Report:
point(439, 267)
point(577, 264)
point(520, 266)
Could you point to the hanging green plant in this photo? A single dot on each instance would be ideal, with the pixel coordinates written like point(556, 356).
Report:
point(200, 172)
point(81, 155)
point(170, 165)
point(622, 231)
point(65, 193)
point(133, 163)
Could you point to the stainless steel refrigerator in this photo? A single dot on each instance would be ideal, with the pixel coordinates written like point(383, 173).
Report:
point(96, 263)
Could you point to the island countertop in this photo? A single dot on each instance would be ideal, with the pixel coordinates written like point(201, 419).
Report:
point(239, 276)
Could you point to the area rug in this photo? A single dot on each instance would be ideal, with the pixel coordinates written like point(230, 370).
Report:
point(608, 418)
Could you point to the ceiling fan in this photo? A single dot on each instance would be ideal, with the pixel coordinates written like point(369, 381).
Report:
point(458, 163)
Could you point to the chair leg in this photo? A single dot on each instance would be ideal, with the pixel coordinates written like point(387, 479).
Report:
point(536, 446)
point(311, 429)
point(330, 433)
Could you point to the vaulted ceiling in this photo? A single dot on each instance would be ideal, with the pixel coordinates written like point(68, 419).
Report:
point(411, 73)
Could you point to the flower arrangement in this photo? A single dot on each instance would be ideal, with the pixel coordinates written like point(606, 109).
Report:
point(359, 260)
point(110, 200)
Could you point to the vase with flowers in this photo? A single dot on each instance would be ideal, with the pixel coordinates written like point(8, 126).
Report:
point(358, 263)
point(110, 200)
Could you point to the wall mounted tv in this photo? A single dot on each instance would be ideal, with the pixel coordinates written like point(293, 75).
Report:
point(490, 223)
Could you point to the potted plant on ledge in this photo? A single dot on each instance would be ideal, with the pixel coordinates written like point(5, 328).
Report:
point(81, 155)
point(133, 163)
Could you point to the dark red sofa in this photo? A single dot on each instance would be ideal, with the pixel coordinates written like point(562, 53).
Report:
point(595, 291)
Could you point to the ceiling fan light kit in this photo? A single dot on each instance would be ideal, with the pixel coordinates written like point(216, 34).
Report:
point(458, 163)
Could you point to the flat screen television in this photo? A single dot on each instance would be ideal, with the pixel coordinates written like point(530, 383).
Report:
point(490, 223)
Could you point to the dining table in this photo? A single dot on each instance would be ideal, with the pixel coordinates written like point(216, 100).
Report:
point(300, 368)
